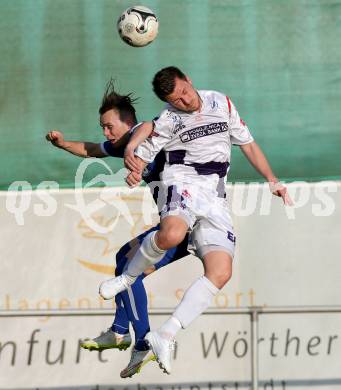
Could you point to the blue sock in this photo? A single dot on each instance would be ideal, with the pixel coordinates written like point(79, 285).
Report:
point(136, 306)
point(132, 304)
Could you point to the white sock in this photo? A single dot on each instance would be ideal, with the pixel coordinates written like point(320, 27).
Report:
point(170, 328)
point(196, 300)
point(147, 255)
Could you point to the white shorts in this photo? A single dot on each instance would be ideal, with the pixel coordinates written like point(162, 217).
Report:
point(206, 215)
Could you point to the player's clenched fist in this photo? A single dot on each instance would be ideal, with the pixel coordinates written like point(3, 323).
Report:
point(133, 179)
point(55, 137)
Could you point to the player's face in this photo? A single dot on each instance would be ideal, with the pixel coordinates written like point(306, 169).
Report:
point(184, 97)
point(113, 128)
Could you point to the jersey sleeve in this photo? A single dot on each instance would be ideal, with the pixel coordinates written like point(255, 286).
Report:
point(239, 132)
point(158, 139)
point(110, 150)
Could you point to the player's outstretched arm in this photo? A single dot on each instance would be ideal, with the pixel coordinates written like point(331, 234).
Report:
point(140, 134)
point(81, 149)
point(257, 158)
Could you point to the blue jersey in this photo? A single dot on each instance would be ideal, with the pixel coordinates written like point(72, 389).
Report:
point(152, 171)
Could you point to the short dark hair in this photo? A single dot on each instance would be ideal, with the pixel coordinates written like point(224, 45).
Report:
point(164, 81)
point(122, 103)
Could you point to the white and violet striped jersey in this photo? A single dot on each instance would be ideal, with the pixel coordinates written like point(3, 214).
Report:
point(197, 144)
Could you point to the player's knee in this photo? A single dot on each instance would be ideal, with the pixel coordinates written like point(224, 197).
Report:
point(220, 276)
point(169, 238)
point(221, 281)
point(225, 276)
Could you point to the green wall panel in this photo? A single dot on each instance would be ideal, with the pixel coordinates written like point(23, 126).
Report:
point(279, 61)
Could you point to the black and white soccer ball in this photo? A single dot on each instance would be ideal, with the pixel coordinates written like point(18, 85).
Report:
point(138, 26)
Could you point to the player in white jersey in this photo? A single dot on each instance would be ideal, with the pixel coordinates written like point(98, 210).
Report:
point(196, 129)
point(198, 151)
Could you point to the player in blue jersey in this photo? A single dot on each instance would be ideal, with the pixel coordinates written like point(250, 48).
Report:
point(118, 121)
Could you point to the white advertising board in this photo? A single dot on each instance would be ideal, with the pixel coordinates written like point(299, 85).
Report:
point(56, 247)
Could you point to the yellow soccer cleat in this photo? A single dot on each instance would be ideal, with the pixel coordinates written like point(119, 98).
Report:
point(107, 340)
point(138, 360)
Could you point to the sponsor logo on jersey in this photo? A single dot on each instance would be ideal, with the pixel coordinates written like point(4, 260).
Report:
point(178, 123)
point(214, 105)
point(231, 237)
point(203, 131)
point(186, 194)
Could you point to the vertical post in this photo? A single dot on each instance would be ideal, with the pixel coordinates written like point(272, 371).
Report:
point(254, 348)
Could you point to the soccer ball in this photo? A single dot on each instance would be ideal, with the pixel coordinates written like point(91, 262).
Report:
point(138, 26)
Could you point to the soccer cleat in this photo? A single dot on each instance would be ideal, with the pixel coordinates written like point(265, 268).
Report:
point(163, 348)
point(137, 361)
point(107, 340)
point(111, 287)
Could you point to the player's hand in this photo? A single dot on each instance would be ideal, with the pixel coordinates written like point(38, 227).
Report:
point(280, 190)
point(55, 137)
point(133, 179)
point(132, 162)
